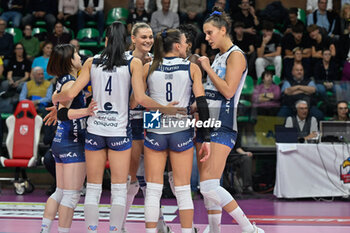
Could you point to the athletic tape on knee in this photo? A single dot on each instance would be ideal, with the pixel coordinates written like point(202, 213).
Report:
point(70, 198)
point(118, 194)
point(93, 194)
point(57, 195)
point(133, 188)
point(152, 201)
point(183, 197)
point(212, 190)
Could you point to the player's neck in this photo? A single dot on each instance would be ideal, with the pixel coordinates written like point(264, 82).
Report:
point(226, 45)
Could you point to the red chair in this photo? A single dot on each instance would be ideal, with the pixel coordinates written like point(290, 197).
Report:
point(22, 142)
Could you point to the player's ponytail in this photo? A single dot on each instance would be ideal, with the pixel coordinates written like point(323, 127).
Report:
point(220, 19)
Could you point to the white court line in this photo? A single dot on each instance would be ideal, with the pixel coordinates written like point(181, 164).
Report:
point(206, 229)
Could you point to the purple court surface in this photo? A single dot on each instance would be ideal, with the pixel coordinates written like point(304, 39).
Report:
point(21, 214)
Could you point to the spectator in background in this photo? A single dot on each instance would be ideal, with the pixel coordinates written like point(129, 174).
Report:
point(44, 59)
point(192, 11)
point(17, 72)
point(342, 111)
point(266, 96)
point(247, 16)
point(328, 21)
point(6, 43)
point(296, 38)
point(30, 43)
point(138, 15)
point(67, 11)
point(91, 10)
point(299, 88)
point(245, 41)
point(244, 161)
point(319, 42)
point(163, 19)
point(58, 36)
point(173, 7)
point(12, 11)
point(77, 47)
point(344, 19)
point(305, 124)
point(41, 10)
point(312, 5)
point(325, 74)
point(292, 21)
point(288, 64)
point(268, 50)
point(344, 54)
point(38, 90)
point(150, 6)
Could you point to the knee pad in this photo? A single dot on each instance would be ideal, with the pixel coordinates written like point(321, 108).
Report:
point(183, 197)
point(133, 188)
point(118, 194)
point(70, 198)
point(152, 201)
point(212, 190)
point(57, 195)
point(93, 194)
point(210, 205)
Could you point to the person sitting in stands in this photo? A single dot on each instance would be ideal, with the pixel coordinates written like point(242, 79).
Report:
point(342, 111)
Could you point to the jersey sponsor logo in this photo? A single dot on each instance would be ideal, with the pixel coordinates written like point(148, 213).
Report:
point(23, 129)
point(185, 143)
point(151, 120)
point(120, 143)
point(68, 155)
point(106, 124)
point(91, 142)
point(152, 141)
point(108, 106)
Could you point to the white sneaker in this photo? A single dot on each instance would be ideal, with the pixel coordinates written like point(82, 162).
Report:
point(168, 230)
point(256, 229)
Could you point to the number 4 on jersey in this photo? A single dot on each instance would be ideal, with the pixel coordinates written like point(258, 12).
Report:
point(109, 85)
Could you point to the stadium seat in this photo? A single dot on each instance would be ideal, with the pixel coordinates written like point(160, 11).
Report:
point(40, 33)
point(22, 142)
point(40, 23)
point(86, 52)
point(275, 79)
point(302, 15)
point(16, 33)
point(248, 87)
point(88, 37)
point(117, 14)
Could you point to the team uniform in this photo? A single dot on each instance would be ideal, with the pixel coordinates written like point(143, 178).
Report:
point(110, 126)
point(136, 114)
point(68, 144)
point(220, 108)
point(169, 82)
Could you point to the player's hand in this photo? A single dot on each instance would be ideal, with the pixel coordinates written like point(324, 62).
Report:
point(170, 109)
point(204, 152)
point(51, 117)
point(92, 108)
point(204, 61)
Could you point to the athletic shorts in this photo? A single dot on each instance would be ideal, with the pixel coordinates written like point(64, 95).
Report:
point(178, 142)
point(222, 136)
point(137, 129)
point(67, 151)
point(95, 142)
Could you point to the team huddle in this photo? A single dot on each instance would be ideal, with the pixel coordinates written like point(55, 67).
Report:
point(124, 85)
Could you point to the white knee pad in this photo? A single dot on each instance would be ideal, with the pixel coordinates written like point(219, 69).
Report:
point(57, 195)
point(133, 188)
point(93, 194)
point(212, 190)
point(183, 197)
point(152, 201)
point(70, 198)
point(118, 194)
point(210, 205)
